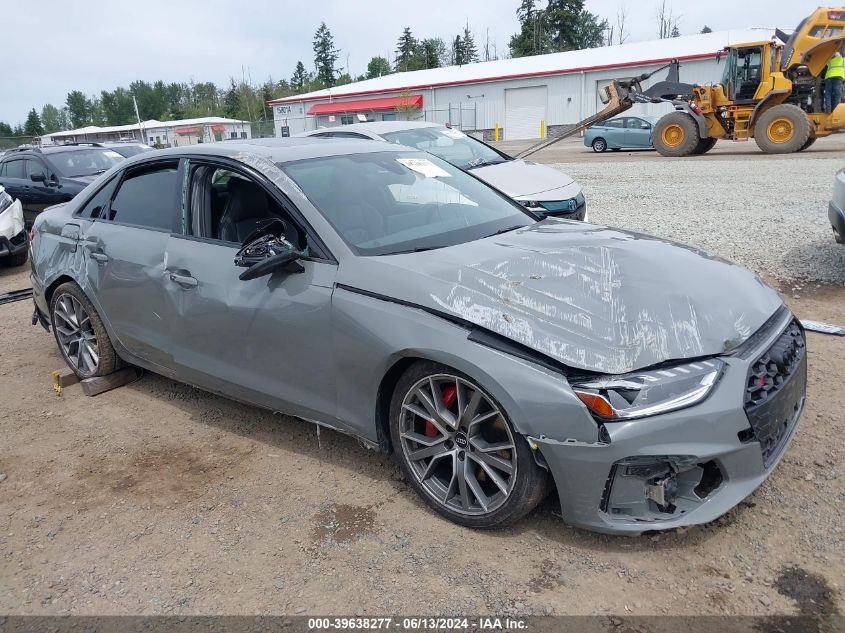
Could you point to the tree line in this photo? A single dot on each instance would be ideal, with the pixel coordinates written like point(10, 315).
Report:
point(549, 27)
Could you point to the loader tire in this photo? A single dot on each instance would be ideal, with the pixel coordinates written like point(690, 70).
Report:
point(782, 129)
point(704, 146)
point(809, 142)
point(676, 134)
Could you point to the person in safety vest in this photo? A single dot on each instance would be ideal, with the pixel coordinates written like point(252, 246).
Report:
point(833, 79)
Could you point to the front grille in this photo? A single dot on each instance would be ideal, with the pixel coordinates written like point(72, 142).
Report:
point(19, 239)
point(775, 390)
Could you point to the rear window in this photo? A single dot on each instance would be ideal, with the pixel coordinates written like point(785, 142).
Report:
point(149, 198)
point(84, 162)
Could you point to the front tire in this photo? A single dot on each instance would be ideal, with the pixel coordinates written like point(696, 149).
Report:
point(704, 146)
point(599, 145)
point(80, 333)
point(458, 450)
point(676, 135)
point(782, 129)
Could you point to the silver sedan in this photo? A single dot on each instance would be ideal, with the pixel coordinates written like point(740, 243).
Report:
point(380, 291)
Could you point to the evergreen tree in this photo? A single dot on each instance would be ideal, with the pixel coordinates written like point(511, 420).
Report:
point(5, 129)
point(325, 55)
point(706, 29)
point(232, 100)
point(378, 67)
point(470, 51)
point(33, 126)
point(458, 54)
point(299, 78)
point(532, 37)
point(432, 53)
point(406, 50)
point(79, 109)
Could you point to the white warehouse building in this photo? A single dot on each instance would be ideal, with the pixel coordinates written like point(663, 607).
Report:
point(160, 133)
point(521, 96)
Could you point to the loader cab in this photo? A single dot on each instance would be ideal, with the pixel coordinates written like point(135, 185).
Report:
point(744, 71)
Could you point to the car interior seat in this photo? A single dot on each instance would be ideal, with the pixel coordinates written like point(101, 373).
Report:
point(245, 210)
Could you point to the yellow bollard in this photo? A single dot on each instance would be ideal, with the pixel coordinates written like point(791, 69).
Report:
point(542, 128)
point(496, 132)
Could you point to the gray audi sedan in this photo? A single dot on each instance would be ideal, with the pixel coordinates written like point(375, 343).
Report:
point(381, 291)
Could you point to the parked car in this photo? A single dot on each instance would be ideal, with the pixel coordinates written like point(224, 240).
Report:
point(836, 209)
point(629, 132)
point(655, 385)
point(127, 148)
point(544, 190)
point(13, 239)
point(41, 177)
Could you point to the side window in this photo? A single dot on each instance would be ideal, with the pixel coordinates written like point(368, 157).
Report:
point(227, 206)
point(34, 167)
point(15, 169)
point(149, 197)
point(94, 208)
point(614, 123)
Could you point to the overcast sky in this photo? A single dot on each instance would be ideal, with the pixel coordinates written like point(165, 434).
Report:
point(55, 46)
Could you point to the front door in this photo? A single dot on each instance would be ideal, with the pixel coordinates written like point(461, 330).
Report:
point(267, 340)
point(637, 133)
point(124, 251)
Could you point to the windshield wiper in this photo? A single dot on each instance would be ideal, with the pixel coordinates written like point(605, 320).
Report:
point(416, 249)
point(506, 230)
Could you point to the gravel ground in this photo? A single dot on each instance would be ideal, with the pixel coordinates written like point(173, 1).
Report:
point(769, 215)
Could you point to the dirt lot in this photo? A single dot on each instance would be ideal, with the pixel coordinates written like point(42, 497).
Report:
point(159, 498)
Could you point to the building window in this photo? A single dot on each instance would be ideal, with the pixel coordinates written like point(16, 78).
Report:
point(388, 116)
point(243, 134)
point(347, 119)
point(233, 135)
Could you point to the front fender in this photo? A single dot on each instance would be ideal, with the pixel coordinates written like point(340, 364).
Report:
point(372, 334)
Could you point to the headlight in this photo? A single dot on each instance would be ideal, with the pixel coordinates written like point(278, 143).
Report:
point(5, 201)
point(645, 393)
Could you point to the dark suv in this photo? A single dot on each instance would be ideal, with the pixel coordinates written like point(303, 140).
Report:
point(41, 177)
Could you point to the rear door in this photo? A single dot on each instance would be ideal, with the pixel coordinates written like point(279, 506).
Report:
point(43, 192)
point(124, 251)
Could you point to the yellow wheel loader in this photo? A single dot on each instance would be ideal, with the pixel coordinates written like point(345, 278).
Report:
point(771, 91)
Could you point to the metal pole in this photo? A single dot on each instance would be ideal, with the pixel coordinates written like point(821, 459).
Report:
point(138, 116)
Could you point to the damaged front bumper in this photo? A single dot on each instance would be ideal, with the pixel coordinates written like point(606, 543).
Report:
point(689, 466)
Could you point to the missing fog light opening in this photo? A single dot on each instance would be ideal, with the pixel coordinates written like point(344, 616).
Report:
point(664, 492)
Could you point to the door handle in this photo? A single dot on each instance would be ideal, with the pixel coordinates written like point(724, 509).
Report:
point(186, 281)
point(100, 258)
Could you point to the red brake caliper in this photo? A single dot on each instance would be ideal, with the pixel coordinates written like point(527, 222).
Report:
point(450, 393)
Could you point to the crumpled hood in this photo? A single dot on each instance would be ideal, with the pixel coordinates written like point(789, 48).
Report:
point(591, 297)
point(521, 178)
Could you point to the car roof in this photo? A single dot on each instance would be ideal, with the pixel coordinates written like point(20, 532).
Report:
point(379, 127)
point(285, 150)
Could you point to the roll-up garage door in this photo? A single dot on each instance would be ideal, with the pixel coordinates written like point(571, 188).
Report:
point(524, 109)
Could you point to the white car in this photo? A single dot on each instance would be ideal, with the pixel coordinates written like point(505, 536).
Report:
point(543, 190)
point(14, 243)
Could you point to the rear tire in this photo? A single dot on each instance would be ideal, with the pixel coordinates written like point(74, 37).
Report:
point(704, 146)
point(675, 135)
point(447, 456)
point(80, 333)
point(782, 129)
point(599, 145)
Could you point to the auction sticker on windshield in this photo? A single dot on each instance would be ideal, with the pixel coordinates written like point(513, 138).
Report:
point(423, 166)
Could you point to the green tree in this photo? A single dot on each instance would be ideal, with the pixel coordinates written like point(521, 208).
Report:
point(117, 107)
point(706, 29)
point(325, 55)
point(406, 51)
point(18, 131)
point(5, 129)
point(432, 52)
point(572, 27)
point(470, 51)
point(78, 109)
point(299, 78)
point(532, 38)
point(232, 100)
point(51, 119)
point(458, 55)
point(378, 67)
point(33, 126)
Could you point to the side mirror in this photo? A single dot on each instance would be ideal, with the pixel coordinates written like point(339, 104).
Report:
point(266, 250)
point(38, 178)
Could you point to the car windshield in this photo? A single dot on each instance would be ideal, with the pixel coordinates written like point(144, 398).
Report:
point(131, 150)
point(85, 162)
point(391, 202)
point(453, 145)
